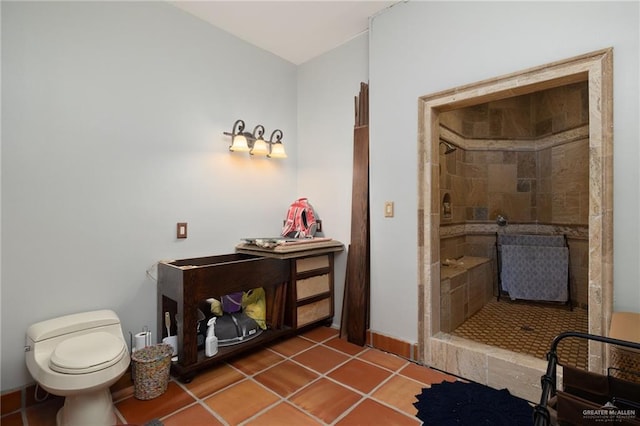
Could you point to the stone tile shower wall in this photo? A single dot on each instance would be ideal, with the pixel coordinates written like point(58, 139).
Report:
point(523, 117)
point(563, 184)
point(549, 186)
point(530, 185)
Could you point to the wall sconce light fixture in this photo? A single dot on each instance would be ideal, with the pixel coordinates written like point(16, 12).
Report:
point(254, 142)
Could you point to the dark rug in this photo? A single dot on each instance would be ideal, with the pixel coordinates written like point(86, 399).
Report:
point(459, 403)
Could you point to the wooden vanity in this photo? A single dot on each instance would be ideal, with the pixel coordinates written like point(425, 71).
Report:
point(298, 284)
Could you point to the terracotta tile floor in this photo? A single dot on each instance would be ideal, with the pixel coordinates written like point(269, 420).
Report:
point(312, 379)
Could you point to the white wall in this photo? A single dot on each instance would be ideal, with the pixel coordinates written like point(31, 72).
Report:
point(112, 126)
point(326, 88)
point(112, 123)
point(418, 48)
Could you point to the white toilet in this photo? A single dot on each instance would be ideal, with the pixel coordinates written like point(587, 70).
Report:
point(79, 356)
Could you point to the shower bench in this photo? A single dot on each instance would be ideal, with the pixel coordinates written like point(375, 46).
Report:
point(466, 285)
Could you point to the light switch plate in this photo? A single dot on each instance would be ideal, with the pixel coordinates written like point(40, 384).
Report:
point(388, 209)
point(181, 230)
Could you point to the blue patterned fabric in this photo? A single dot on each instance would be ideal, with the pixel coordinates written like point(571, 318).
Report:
point(532, 240)
point(534, 267)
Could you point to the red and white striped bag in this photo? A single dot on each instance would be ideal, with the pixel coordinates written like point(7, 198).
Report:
point(300, 221)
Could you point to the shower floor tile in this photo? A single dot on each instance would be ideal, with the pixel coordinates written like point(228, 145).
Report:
point(530, 329)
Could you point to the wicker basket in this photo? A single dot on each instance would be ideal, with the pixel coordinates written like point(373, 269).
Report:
point(151, 371)
point(625, 364)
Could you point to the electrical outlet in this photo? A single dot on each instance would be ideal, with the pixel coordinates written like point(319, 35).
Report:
point(181, 230)
point(388, 209)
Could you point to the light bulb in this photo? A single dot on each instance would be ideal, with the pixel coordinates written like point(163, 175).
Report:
point(277, 151)
point(239, 144)
point(260, 148)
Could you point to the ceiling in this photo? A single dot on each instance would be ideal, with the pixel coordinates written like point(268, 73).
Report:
point(294, 30)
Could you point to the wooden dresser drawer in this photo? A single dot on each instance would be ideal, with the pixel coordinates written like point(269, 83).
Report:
point(314, 311)
point(312, 286)
point(312, 263)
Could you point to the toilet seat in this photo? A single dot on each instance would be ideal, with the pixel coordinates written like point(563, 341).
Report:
point(87, 353)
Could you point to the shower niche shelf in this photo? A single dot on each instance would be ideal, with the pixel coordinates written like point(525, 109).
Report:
point(446, 206)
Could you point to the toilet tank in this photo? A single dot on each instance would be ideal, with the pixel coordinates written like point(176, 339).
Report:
point(71, 324)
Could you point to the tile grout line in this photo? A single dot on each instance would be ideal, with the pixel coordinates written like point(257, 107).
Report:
point(364, 396)
point(251, 377)
point(325, 376)
point(287, 399)
point(245, 376)
point(320, 376)
point(394, 373)
point(199, 401)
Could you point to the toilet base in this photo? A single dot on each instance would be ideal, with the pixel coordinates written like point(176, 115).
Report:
point(91, 408)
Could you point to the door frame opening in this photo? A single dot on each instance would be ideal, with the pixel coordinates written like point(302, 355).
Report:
point(453, 355)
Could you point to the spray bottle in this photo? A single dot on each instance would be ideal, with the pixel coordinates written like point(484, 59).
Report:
point(211, 343)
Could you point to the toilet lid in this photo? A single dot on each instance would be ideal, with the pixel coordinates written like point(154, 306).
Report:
point(87, 353)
